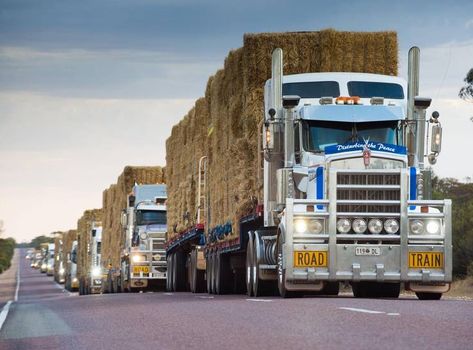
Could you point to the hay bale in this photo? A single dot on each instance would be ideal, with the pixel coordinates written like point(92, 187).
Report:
point(114, 201)
point(225, 124)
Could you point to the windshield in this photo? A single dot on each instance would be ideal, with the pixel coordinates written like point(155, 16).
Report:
point(320, 134)
point(368, 89)
point(149, 217)
point(312, 89)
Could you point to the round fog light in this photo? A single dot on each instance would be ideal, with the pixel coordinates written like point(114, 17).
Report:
point(343, 225)
point(417, 227)
point(143, 236)
point(391, 226)
point(375, 226)
point(315, 226)
point(359, 226)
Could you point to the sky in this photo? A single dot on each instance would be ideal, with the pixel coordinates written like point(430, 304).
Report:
point(87, 87)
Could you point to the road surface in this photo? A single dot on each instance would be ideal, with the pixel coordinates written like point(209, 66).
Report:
point(46, 317)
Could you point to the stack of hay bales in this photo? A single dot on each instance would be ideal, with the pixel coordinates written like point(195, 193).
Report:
point(225, 124)
point(114, 201)
point(84, 237)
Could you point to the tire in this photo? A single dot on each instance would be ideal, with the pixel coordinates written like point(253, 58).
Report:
point(283, 292)
point(214, 273)
point(196, 277)
point(428, 296)
point(249, 267)
point(223, 280)
point(261, 287)
point(169, 273)
point(179, 272)
point(208, 274)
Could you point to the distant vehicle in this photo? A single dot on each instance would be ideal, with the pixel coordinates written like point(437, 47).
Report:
point(72, 281)
point(50, 260)
point(91, 282)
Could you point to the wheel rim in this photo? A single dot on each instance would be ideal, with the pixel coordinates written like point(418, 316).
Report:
point(249, 268)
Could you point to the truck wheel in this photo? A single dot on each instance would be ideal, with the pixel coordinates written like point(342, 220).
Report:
point(169, 273)
point(81, 288)
point(428, 296)
point(261, 287)
point(249, 267)
point(208, 272)
point(197, 284)
point(283, 292)
point(223, 280)
point(179, 269)
point(214, 273)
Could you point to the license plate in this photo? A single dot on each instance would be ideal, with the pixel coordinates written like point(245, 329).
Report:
point(426, 259)
point(367, 251)
point(138, 269)
point(310, 259)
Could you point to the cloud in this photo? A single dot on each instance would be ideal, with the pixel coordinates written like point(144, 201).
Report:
point(469, 24)
point(443, 68)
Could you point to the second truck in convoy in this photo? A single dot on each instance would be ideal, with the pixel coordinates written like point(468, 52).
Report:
point(143, 260)
point(346, 195)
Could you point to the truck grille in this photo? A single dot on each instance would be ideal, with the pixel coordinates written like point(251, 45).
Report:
point(361, 187)
point(158, 245)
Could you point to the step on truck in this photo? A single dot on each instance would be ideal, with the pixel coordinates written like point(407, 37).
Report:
point(347, 195)
point(143, 260)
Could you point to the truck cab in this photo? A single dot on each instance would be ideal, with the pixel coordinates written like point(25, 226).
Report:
point(143, 260)
point(72, 281)
point(347, 189)
point(95, 272)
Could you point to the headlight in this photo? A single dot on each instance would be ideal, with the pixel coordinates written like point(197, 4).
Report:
point(314, 226)
point(138, 258)
point(359, 225)
point(343, 225)
point(433, 227)
point(61, 271)
point(417, 227)
point(143, 236)
point(75, 280)
point(300, 226)
point(375, 226)
point(391, 226)
point(96, 271)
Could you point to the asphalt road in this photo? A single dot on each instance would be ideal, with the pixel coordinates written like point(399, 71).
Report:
point(46, 317)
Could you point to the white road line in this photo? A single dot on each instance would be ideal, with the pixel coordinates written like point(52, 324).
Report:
point(17, 284)
point(4, 313)
point(204, 297)
point(362, 310)
point(168, 293)
point(393, 314)
point(260, 300)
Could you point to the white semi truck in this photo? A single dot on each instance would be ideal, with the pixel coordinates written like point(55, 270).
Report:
point(143, 260)
point(72, 280)
point(347, 196)
point(91, 282)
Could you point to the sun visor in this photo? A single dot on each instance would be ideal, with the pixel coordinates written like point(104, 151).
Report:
point(352, 113)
